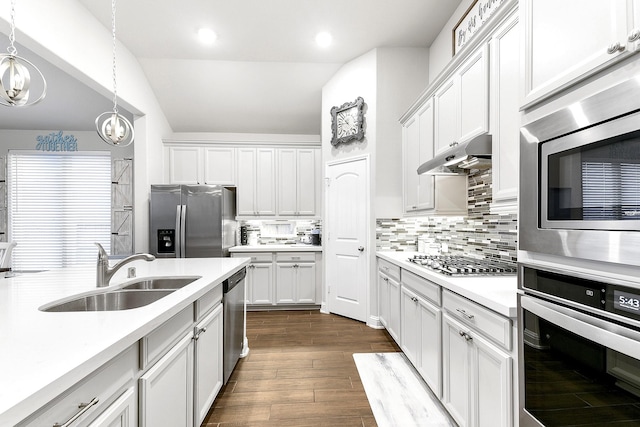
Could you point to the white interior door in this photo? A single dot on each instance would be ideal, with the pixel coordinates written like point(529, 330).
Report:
point(347, 259)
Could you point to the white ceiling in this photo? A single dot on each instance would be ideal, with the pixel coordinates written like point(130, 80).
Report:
point(264, 74)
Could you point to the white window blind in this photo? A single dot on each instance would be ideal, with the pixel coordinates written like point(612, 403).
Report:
point(59, 205)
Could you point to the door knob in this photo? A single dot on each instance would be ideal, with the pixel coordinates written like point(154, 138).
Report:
point(361, 248)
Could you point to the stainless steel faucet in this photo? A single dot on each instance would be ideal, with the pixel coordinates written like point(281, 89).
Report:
point(104, 273)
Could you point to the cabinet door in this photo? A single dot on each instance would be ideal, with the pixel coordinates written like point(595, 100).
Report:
point(430, 351)
point(447, 115)
point(208, 373)
point(285, 283)
point(426, 189)
point(410, 335)
point(411, 161)
point(505, 115)
point(473, 78)
point(307, 178)
point(493, 377)
point(265, 184)
point(220, 165)
point(261, 283)
point(246, 190)
point(383, 299)
point(393, 325)
point(121, 413)
point(287, 182)
point(456, 371)
point(184, 165)
point(306, 283)
point(166, 389)
point(565, 43)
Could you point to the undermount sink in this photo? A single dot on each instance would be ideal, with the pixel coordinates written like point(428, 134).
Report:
point(110, 301)
point(135, 294)
point(172, 283)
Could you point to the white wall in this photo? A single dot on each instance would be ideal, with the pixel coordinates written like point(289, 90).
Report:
point(441, 51)
point(64, 33)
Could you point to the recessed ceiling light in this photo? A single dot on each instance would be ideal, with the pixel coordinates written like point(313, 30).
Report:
point(207, 35)
point(323, 39)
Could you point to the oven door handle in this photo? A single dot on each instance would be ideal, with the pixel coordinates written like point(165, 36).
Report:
point(608, 334)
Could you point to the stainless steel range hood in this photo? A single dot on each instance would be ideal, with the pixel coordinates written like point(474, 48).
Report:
point(460, 158)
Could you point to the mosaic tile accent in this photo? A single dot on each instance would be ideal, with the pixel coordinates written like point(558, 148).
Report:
point(480, 233)
point(303, 228)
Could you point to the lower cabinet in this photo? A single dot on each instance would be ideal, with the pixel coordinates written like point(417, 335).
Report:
point(295, 283)
point(121, 413)
point(208, 372)
point(166, 389)
point(477, 377)
point(389, 298)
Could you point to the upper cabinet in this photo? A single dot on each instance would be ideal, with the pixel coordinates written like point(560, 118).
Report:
point(418, 148)
point(462, 102)
point(566, 42)
point(505, 117)
point(256, 192)
point(298, 182)
point(202, 165)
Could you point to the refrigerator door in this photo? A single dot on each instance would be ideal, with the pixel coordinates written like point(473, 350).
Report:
point(164, 221)
point(203, 222)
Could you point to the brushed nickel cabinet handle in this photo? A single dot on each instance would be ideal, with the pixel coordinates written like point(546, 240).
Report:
point(84, 407)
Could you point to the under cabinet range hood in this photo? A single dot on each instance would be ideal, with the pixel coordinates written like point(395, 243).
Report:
point(460, 158)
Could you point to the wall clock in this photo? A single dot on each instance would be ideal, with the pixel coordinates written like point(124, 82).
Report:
point(347, 122)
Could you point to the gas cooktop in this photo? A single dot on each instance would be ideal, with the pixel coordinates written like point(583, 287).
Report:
point(460, 265)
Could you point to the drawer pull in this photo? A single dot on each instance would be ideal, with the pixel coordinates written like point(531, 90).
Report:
point(84, 407)
point(295, 257)
point(464, 313)
point(197, 332)
point(465, 335)
point(414, 299)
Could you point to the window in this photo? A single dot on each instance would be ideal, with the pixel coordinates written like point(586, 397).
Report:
point(59, 205)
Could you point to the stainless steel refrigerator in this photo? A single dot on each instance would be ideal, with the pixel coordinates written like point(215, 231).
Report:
point(192, 221)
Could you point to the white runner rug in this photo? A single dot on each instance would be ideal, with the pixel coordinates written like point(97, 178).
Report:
point(396, 393)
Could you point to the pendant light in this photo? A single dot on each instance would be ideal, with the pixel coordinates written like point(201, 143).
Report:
point(15, 77)
point(113, 128)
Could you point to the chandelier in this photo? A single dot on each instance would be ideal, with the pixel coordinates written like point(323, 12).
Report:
point(113, 128)
point(15, 74)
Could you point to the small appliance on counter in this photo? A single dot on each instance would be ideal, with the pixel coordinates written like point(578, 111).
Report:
point(243, 235)
point(316, 238)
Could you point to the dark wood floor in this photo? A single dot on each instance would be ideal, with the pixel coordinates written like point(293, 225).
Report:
point(300, 372)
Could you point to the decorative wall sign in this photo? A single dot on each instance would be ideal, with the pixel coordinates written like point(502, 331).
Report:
point(472, 20)
point(57, 142)
point(347, 122)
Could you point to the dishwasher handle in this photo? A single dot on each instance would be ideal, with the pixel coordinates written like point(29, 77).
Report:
point(234, 280)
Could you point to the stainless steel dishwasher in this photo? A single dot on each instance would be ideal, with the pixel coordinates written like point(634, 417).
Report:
point(233, 321)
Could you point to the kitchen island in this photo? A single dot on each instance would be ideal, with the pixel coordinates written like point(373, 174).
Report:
point(46, 353)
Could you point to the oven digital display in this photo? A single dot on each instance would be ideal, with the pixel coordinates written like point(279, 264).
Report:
point(626, 301)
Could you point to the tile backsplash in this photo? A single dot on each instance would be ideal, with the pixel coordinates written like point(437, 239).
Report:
point(480, 233)
point(303, 228)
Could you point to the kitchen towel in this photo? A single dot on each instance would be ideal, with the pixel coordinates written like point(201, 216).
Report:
point(397, 394)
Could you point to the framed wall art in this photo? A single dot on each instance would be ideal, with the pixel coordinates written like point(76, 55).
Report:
point(347, 122)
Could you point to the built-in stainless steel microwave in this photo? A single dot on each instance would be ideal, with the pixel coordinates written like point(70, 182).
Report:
point(580, 179)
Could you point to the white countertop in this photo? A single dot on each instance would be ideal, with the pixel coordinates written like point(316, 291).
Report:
point(276, 248)
point(498, 293)
point(44, 353)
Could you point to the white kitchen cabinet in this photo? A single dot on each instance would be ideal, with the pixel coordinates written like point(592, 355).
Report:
point(422, 336)
point(477, 366)
point(565, 44)
point(417, 148)
point(202, 165)
point(256, 184)
point(295, 282)
point(166, 389)
point(505, 115)
point(208, 370)
point(461, 104)
point(389, 297)
point(259, 280)
point(121, 413)
point(298, 181)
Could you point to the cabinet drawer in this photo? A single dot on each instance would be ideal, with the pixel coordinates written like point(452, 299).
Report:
point(207, 302)
point(101, 387)
point(295, 257)
point(485, 321)
point(389, 269)
point(422, 286)
point(255, 257)
point(158, 342)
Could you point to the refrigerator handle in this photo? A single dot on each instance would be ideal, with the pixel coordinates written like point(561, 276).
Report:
point(183, 236)
point(178, 237)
